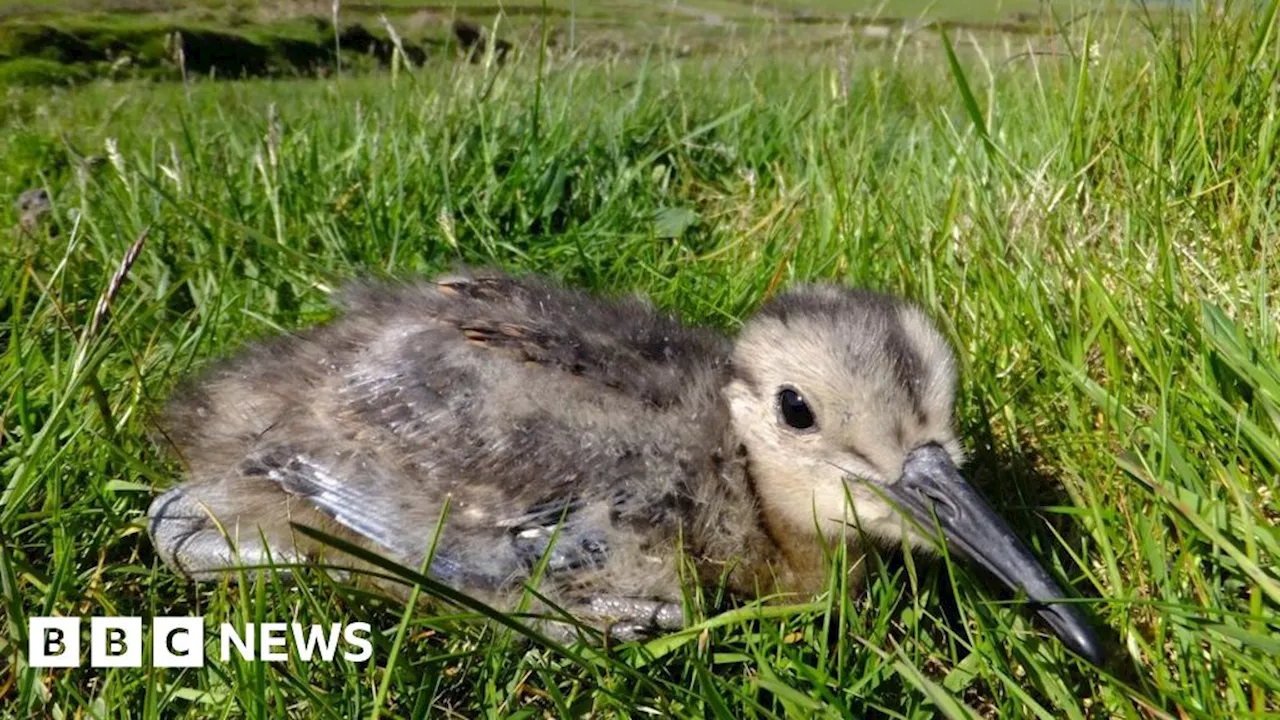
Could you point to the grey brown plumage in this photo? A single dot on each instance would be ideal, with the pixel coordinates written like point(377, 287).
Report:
point(535, 411)
point(518, 401)
point(33, 206)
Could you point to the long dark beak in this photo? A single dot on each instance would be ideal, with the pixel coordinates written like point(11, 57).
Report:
point(932, 486)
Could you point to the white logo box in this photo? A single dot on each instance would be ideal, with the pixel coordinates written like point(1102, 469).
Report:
point(54, 642)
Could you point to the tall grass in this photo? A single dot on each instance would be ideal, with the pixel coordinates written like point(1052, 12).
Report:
point(1095, 228)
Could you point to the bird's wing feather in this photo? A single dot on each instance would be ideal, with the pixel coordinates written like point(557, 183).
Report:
point(362, 497)
point(364, 507)
point(624, 344)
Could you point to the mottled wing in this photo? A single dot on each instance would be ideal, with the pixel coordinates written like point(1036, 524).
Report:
point(530, 412)
point(623, 344)
point(367, 507)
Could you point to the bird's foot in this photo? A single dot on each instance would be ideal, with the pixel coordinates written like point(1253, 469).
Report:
point(190, 541)
point(619, 619)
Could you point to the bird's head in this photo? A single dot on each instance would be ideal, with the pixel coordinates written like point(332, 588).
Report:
point(843, 400)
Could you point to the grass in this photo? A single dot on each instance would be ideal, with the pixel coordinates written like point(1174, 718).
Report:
point(730, 8)
point(1096, 231)
point(123, 39)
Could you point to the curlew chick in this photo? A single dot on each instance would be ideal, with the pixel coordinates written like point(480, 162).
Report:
point(589, 438)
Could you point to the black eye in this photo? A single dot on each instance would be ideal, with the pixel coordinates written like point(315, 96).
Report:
point(795, 411)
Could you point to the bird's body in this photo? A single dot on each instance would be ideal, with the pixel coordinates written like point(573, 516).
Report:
point(32, 205)
point(528, 409)
point(595, 439)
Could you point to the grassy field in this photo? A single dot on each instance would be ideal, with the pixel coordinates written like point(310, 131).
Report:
point(1093, 218)
point(730, 8)
point(67, 42)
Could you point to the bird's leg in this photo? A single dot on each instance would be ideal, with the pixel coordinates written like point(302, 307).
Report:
point(630, 618)
point(655, 614)
point(188, 539)
point(622, 619)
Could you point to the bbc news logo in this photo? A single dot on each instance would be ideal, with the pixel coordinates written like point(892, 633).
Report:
point(54, 642)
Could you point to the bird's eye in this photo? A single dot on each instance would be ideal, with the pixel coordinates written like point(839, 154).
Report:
point(795, 411)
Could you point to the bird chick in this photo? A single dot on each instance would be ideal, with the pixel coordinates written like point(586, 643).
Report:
point(594, 438)
point(33, 206)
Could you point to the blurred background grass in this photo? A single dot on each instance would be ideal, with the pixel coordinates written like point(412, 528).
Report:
point(68, 41)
